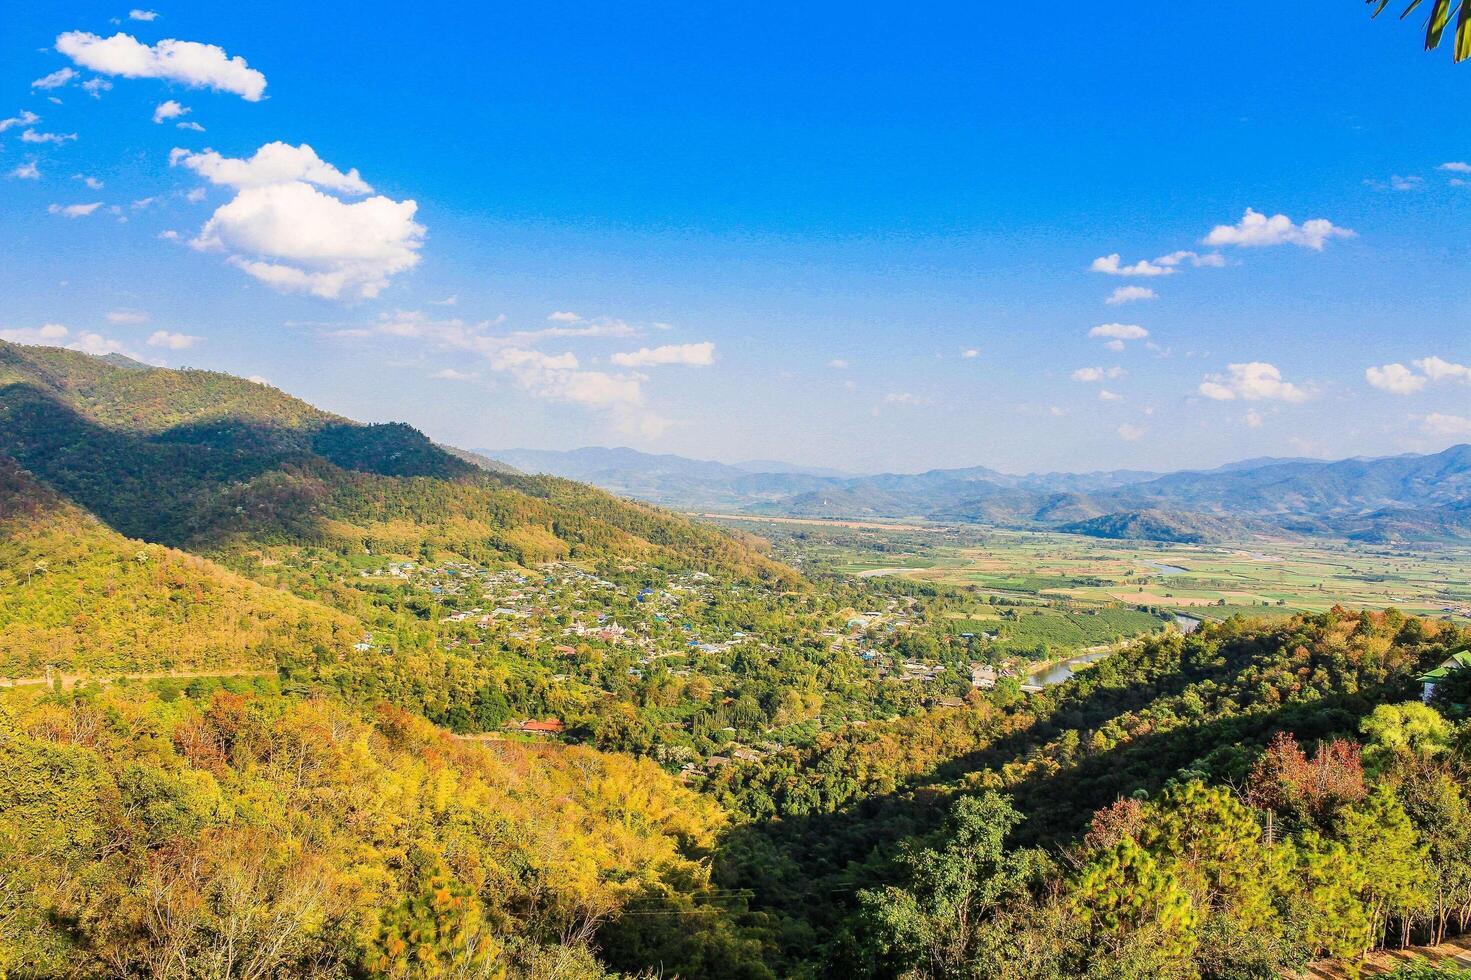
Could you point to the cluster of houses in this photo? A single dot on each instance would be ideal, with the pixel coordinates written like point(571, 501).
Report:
point(572, 610)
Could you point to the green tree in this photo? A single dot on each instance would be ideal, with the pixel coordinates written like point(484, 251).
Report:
point(1438, 21)
point(933, 925)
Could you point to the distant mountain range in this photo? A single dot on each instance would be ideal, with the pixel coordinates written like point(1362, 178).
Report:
point(1396, 498)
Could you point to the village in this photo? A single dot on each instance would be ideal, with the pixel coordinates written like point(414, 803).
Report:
point(678, 648)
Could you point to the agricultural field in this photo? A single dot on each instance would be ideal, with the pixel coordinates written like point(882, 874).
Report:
point(1072, 573)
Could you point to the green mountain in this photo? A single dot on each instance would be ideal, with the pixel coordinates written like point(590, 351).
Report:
point(1181, 527)
point(216, 464)
point(81, 598)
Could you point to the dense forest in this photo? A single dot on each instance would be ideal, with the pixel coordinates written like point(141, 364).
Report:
point(1302, 742)
point(289, 656)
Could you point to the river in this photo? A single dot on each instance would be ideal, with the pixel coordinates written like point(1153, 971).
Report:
point(1056, 673)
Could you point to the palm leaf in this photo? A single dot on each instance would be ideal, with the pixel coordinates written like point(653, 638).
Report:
point(1412, 6)
point(1463, 34)
point(1440, 16)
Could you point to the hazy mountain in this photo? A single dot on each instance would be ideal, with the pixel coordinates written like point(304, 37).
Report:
point(673, 481)
point(778, 466)
point(1394, 498)
point(1164, 525)
point(1294, 489)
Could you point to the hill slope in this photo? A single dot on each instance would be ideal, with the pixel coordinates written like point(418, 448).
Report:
point(213, 463)
point(77, 596)
point(1163, 525)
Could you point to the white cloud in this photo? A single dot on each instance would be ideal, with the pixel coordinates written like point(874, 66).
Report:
point(187, 62)
point(169, 110)
point(904, 398)
point(92, 182)
point(1091, 374)
point(1400, 380)
point(1113, 265)
point(26, 118)
point(56, 335)
point(145, 15)
point(1104, 395)
point(694, 355)
point(1395, 379)
point(293, 237)
point(96, 86)
point(838, 363)
point(556, 377)
point(1119, 331)
point(172, 341)
point(195, 195)
point(1131, 433)
point(969, 354)
point(450, 374)
point(1439, 369)
point(273, 163)
point(1210, 260)
point(26, 171)
point(1255, 381)
point(95, 343)
point(1455, 167)
point(1130, 294)
point(56, 79)
point(447, 301)
point(1446, 425)
point(1254, 419)
point(127, 316)
point(563, 316)
point(603, 326)
point(45, 334)
point(1398, 183)
point(31, 136)
point(1257, 230)
point(73, 210)
point(190, 125)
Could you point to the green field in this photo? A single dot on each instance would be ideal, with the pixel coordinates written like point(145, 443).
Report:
point(1074, 575)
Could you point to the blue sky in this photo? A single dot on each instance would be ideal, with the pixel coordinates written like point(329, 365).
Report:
point(865, 236)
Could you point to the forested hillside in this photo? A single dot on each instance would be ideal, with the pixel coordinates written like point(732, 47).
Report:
point(1299, 727)
point(250, 835)
point(81, 598)
point(213, 463)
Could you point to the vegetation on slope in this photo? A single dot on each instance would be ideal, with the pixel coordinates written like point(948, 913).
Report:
point(77, 596)
point(208, 462)
point(838, 817)
point(255, 835)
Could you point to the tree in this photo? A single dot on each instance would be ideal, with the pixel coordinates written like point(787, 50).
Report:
point(1125, 892)
point(933, 925)
point(437, 932)
point(1406, 734)
point(1439, 20)
point(1392, 861)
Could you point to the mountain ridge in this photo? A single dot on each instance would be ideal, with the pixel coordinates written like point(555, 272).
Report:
point(1388, 498)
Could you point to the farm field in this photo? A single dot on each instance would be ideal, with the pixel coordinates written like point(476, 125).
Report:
point(1063, 571)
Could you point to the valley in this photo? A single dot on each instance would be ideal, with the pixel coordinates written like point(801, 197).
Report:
point(224, 613)
point(1270, 578)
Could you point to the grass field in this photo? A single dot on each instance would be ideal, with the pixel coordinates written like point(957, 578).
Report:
point(1074, 574)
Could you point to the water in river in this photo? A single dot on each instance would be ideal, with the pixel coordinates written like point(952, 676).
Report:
point(1063, 669)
